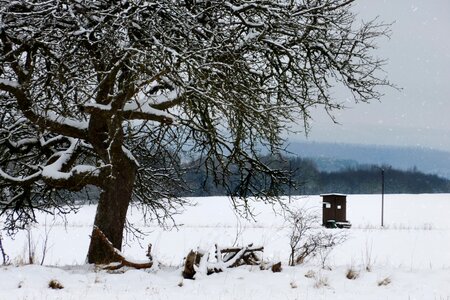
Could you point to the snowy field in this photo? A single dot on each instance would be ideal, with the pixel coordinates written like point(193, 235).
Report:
point(412, 251)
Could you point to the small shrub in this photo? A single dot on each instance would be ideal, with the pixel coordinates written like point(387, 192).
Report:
point(310, 274)
point(5, 256)
point(352, 274)
point(321, 281)
point(55, 284)
point(305, 242)
point(31, 246)
point(385, 281)
point(367, 259)
point(20, 260)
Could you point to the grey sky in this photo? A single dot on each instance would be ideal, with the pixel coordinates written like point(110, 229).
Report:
point(419, 62)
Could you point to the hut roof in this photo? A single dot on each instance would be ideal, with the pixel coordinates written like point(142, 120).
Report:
point(333, 194)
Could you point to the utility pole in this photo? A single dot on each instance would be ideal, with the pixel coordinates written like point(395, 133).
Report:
point(290, 179)
point(382, 197)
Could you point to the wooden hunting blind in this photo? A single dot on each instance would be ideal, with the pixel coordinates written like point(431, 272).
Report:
point(334, 211)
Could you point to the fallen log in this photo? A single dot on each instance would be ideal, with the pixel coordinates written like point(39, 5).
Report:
point(119, 260)
point(239, 256)
point(236, 249)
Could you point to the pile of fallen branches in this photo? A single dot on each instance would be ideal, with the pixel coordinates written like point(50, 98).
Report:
point(225, 258)
point(195, 261)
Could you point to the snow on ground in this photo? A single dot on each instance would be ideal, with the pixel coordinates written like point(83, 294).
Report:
point(412, 250)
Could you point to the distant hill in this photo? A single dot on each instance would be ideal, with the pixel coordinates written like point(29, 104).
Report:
point(307, 179)
point(332, 157)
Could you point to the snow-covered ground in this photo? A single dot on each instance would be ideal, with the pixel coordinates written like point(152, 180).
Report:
point(412, 251)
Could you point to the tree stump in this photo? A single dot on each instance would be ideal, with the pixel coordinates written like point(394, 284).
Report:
point(189, 270)
point(276, 268)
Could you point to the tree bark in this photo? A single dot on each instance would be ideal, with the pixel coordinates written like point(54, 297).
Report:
point(111, 212)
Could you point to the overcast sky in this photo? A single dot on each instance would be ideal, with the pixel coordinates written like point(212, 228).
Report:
point(419, 63)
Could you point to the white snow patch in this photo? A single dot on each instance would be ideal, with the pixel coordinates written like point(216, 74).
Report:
point(10, 83)
point(54, 170)
point(411, 250)
point(83, 125)
point(141, 106)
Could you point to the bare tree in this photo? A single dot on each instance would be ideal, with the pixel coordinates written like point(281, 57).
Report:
point(107, 93)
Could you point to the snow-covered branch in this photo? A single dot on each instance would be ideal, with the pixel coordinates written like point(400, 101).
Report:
point(21, 180)
point(144, 111)
point(61, 172)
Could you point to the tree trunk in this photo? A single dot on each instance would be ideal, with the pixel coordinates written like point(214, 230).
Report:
point(111, 212)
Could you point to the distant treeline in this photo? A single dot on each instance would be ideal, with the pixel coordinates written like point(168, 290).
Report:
point(307, 179)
